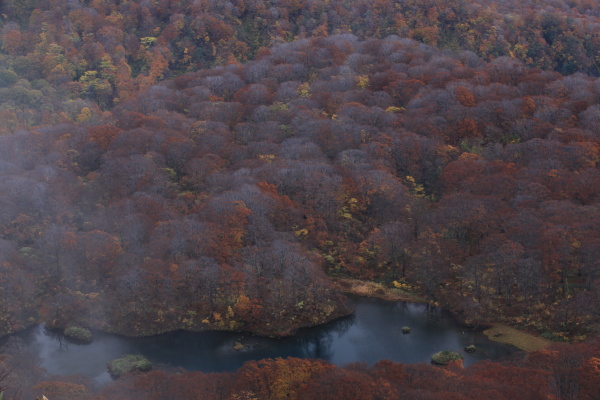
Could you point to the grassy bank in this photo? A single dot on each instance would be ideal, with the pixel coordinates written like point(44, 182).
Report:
point(525, 341)
point(375, 289)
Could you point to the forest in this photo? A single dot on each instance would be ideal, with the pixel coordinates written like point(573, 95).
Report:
point(207, 165)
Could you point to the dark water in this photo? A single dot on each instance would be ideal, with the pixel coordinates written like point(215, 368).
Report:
point(373, 333)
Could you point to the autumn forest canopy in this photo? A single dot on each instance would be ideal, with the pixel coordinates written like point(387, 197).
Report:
point(205, 165)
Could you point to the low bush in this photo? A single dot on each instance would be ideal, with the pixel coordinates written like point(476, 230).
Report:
point(555, 336)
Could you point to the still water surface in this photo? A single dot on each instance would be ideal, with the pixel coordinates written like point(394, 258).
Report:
point(373, 333)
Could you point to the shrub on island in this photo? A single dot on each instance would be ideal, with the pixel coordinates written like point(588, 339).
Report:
point(445, 357)
point(78, 334)
point(128, 363)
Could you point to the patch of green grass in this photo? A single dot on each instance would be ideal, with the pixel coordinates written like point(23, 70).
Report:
point(128, 363)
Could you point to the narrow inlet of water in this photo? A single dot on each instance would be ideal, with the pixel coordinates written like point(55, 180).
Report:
point(372, 334)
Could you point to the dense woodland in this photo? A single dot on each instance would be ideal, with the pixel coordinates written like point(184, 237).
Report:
point(70, 60)
point(476, 183)
point(210, 165)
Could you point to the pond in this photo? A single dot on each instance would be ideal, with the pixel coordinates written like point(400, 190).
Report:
point(373, 333)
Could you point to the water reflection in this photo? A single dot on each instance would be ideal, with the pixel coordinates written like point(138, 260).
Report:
point(373, 333)
point(318, 343)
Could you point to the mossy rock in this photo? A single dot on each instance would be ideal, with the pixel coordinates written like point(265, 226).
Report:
point(79, 334)
point(445, 357)
point(128, 363)
point(238, 346)
point(470, 348)
point(405, 329)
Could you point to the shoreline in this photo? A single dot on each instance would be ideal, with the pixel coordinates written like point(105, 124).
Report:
point(494, 331)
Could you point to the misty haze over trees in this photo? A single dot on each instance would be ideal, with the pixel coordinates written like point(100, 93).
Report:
point(210, 165)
